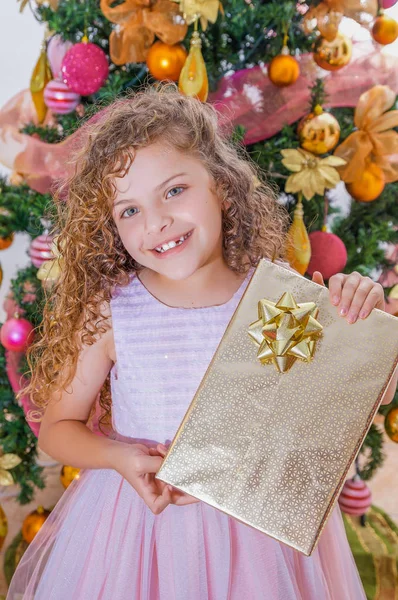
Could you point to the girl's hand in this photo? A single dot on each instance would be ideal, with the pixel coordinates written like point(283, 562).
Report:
point(138, 466)
point(177, 497)
point(355, 295)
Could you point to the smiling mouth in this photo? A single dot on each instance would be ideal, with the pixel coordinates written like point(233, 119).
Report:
point(172, 244)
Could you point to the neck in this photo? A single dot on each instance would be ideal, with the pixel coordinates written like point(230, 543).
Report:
point(212, 284)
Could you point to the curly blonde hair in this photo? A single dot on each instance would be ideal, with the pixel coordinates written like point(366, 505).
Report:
point(93, 256)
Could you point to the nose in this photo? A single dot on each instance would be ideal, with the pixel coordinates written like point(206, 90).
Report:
point(156, 222)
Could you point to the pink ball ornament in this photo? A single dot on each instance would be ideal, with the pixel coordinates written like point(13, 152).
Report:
point(355, 498)
point(16, 334)
point(387, 3)
point(328, 254)
point(59, 98)
point(85, 68)
point(56, 50)
point(40, 250)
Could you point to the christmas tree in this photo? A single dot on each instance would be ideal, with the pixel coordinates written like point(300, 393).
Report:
point(313, 107)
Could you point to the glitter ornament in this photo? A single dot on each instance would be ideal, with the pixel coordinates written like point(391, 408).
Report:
point(85, 68)
point(59, 98)
point(16, 334)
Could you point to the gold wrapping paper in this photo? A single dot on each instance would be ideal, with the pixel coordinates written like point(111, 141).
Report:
point(273, 449)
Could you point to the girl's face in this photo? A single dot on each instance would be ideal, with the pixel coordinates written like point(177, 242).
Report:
point(168, 217)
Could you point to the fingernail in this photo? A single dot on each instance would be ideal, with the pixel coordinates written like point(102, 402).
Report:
point(343, 311)
point(363, 314)
point(352, 317)
point(335, 299)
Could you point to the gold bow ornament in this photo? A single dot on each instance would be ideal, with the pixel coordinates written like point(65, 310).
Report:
point(311, 174)
point(374, 141)
point(203, 10)
point(327, 15)
point(285, 331)
point(137, 23)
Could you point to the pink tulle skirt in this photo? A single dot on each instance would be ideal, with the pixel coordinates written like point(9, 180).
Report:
point(102, 542)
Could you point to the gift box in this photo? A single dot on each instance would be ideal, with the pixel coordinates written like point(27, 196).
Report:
point(283, 408)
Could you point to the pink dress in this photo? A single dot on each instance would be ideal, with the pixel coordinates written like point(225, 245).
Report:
point(102, 542)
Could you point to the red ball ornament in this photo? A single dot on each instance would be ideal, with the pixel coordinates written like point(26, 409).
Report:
point(85, 68)
point(59, 98)
point(355, 498)
point(387, 3)
point(328, 254)
point(16, 334)
point(40, 250)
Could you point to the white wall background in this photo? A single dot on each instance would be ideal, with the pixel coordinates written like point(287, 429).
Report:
point(20, 39)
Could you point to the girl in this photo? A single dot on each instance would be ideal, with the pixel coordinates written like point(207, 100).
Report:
point(162, 227)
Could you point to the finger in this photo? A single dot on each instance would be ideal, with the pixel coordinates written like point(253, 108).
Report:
point(158, 502)
point(147, 464)
point(317, 277)
point(348, 292)
point(153, 452)
point(336, 283)
point(359, 298)
point(162, 449)
point(183, 499)
point(374, 299)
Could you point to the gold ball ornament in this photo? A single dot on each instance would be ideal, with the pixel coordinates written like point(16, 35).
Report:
point(68, 474)
point(6, 242)
point(165, 61)
point(391, 424)
point(283, 70)
point(3, 526)
point(333, 55)
point(33, 523)
point(369, 186)
point(385, 30)
point(319, 132)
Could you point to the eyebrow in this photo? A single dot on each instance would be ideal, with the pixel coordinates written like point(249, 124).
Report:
point(157, 188)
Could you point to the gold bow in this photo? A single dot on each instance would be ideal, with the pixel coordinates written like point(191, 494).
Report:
point(311, 173)
point(205, 10)
point(374, 141)
point(327, 15)
point(285, 331)
point(8, 461)
point(138, 21)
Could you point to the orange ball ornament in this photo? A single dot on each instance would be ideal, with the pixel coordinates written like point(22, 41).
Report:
point(68, 474)
point(33, 523)
point(391, 424)
point(385, 30)
point(283, 70)
point(166, 62)
point(318, 131)
point(333, 55)
point(6, 242)
point(369, 186)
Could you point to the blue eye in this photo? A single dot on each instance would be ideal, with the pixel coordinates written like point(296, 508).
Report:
point(124, 213)
point(173, 189)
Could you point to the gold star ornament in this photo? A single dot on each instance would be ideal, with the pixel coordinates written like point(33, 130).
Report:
point(285, 331)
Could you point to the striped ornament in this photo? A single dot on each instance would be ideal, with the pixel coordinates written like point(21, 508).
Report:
point(59, 98)
point(355, 497)
point(40, 250)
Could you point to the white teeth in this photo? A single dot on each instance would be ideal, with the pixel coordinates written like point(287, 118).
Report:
point(171, 244)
